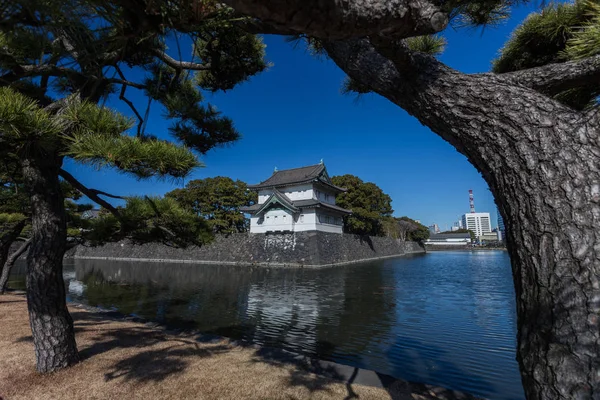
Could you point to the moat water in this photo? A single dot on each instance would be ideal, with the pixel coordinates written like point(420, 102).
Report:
point(444, 318)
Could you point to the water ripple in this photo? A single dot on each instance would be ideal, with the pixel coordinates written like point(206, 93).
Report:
point(446, 318)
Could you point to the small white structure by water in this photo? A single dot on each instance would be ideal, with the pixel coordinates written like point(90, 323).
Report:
point(452, 239)
point(297, 200)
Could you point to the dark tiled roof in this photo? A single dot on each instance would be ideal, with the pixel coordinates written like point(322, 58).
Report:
point(284, 200)
point(276, 197)
point(250, 209)
point(316, 203)
point(293, 205)
point(444, 236)
point(296, 176)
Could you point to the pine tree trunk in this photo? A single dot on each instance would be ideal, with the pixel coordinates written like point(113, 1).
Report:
point(51, 323)
point(541, 160)
point(10, 262)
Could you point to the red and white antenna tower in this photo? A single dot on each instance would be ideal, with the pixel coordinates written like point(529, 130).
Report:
point(471, 201)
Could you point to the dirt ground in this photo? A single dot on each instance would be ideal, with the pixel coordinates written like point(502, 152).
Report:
point(129, 360)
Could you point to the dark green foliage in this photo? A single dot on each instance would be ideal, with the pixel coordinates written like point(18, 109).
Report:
point(419, 233)
point(429, 44)
point(405, 228)
point(197, 126)
point(218, 200)
point(556, 34)
point(14, 201)
point(233, 54)
point(369, 205)
point(585, 41)
point(150, 219)
point(13, 198)
point(53, 49)
point(59, 59)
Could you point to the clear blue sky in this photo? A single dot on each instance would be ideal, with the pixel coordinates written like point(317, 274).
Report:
point(294, 115)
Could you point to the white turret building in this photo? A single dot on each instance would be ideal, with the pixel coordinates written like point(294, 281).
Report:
point(296, 200)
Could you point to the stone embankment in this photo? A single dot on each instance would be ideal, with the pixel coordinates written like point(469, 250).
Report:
point(302, 249)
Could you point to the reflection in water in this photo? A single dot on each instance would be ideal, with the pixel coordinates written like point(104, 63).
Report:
point(444, 318)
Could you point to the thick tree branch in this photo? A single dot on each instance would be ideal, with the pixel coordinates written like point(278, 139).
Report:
point(25, 71)
point(258, 27)
point(10, 262)
point(171, 62)
point(92, 194)
point(18, 253)
point(343, 19)
point(48, 70)
point(555, 78)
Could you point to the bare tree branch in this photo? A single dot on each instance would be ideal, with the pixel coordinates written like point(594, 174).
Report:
point(344, 19)
point(92, 194)
point(555, 78)
point(125, 82)
point(171, 62)
point(128, 102)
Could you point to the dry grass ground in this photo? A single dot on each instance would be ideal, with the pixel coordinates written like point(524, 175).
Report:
point(128, 360)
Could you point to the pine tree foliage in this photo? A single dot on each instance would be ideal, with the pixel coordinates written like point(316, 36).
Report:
point(60, 62)
point(89, 47)
point(585, 41)
point(429, 44)
point(558, 33)
point(88, 134)
point(150, 219)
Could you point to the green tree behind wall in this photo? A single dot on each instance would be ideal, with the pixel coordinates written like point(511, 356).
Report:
point(369, 204)
point(218, 200)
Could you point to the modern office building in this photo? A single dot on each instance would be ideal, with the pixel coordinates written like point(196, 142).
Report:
point(433, 229)
point(479, 223)
point(501, 227)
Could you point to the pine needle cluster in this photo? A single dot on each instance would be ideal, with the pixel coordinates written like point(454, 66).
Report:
point(559, 32)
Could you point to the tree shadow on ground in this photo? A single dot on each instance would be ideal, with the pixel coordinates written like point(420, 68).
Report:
point(316, 375)
point(154, 364)
point(157, 354)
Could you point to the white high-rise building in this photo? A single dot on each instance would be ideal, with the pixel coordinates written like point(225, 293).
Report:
point(479, 223)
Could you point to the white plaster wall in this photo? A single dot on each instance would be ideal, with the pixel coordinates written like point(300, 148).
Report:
point(309, 219)
point(300, 192)
point(330, 228)
point(324, 195)
point(263, 195)
point(272, 221)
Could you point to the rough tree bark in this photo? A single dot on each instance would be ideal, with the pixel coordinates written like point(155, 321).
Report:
point(541, 160)
point(10, 262)
point(341, 19)
point(7, 238)
point(51, 323)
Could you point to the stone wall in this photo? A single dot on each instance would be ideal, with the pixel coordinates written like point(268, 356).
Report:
point(306, 249)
